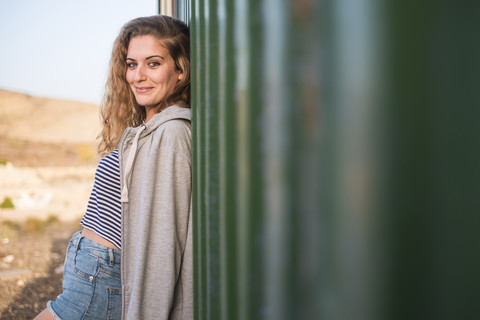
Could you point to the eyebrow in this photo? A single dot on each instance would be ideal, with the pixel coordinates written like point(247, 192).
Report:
point(155, 56)
point(148, 58)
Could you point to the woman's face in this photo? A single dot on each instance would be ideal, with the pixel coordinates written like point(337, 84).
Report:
point(150, 70)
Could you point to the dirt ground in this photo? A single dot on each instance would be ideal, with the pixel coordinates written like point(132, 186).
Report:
point(31, 269)
point(32, 255)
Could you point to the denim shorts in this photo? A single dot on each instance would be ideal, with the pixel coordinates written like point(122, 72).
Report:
point(91, 282)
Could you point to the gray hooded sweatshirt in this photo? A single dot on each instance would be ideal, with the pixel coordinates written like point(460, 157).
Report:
point(157, 253)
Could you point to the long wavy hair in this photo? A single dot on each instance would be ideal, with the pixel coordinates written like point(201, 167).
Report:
point(119, 109)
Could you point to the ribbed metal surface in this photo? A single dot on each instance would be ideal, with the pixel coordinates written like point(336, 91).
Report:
point(335, 159)
point(248, 193)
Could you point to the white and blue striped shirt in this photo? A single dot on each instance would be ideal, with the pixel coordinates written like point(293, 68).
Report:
point(104, 210)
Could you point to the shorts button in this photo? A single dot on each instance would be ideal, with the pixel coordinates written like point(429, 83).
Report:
point(91, 278)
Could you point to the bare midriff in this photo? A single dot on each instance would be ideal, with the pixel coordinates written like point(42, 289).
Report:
point(90, 234)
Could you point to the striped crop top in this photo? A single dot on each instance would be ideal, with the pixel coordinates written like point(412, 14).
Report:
point(104, 209)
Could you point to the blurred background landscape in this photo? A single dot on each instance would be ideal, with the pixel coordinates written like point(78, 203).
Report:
point(52, 78)
point(47, 165)
point(47, 156)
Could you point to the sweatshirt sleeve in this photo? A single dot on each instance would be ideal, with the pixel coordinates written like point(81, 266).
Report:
point(160, 238)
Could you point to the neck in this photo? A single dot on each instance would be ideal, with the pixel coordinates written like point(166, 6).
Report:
point(150, 112)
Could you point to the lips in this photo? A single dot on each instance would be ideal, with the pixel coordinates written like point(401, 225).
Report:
point(143, 89)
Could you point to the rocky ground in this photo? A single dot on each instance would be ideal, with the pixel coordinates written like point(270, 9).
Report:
point(31, 269)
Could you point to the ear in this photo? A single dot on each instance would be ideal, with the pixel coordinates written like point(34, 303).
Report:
point(180, 76)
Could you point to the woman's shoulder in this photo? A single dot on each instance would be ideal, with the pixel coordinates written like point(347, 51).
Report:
point(175, 127)
point(174, 134)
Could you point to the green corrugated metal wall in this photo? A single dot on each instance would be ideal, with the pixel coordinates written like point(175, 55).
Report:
point(336, 162)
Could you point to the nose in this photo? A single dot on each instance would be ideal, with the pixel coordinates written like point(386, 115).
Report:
point(140, 74)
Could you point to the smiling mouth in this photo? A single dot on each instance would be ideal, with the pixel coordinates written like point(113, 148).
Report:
point(143, 89)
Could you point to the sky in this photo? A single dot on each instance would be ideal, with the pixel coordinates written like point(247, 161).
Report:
point(61, 48)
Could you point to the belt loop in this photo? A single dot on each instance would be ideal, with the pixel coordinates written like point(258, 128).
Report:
point(78, 241)
point(111, 256)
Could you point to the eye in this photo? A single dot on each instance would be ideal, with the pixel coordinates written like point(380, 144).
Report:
point(131, 65)
point(153, 64)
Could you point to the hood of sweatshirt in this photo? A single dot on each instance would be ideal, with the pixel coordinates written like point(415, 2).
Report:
point(132, 136)
point(170, 113)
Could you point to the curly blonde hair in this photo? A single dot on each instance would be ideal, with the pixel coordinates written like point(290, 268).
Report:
point(119, 109)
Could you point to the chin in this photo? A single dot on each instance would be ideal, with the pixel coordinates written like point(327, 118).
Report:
point(145, 102)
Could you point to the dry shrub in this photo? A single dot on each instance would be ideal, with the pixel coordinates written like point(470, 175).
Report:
point(33, 226)
point(7, 203)
point(86, 152)
point(9, 229)
point(18, 144)
point(52, 221)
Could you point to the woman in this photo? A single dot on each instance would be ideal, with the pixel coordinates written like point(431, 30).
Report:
point(139, 214)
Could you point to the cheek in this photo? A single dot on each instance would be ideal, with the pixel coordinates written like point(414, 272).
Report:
point(128, 76)
point(173, 79)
